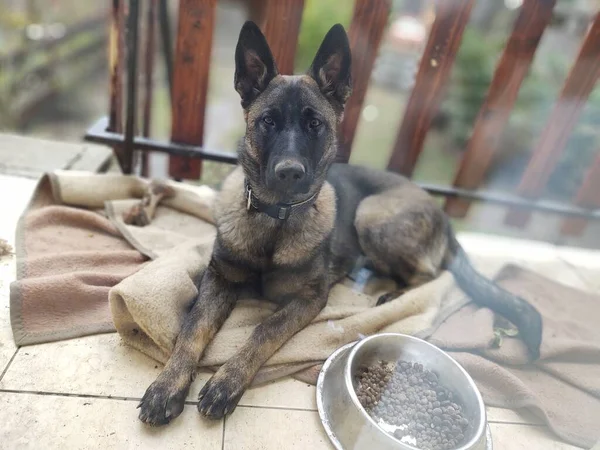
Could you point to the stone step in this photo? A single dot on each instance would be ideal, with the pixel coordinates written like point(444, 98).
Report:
point(31, 157)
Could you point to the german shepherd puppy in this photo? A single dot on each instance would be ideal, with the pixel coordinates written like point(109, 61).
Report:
point(291, 224)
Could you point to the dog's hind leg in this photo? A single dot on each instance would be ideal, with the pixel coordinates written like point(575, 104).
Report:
point(407, 237)
point(165, 398)
point(402, 232)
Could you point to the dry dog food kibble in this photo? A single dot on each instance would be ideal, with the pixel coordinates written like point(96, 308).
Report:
point(408, 401)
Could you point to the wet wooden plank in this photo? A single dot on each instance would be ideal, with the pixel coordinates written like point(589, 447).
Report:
point(190, 81)
point(369, 20)
point(588, 196)
point(546, 154)
point(116, 60)
point(431, 83)
point(149, 56)
point(493, 116)
point(280, 22)
point(131, 106)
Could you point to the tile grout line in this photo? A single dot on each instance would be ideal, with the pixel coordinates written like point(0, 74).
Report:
point(134, 399)
point(9, 363)
point(496, 422)
point(68, 394)
point(191, 403)
point(279, 408)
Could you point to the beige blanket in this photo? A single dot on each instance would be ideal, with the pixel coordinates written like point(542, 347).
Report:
point(149, 301)
point(67, 260)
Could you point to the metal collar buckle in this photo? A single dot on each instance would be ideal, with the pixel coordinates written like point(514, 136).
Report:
point(249, 197)
point(284, 212)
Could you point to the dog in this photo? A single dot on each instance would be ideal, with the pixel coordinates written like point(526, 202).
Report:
point(291, 223)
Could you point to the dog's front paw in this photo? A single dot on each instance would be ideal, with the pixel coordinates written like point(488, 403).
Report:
point(220, 395)
point(163, 401)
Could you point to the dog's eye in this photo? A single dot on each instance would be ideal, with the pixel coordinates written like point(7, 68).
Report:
point(314, 123)
point(268, 120)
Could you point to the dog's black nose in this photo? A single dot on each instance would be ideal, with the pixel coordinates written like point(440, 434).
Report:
point(289, 173)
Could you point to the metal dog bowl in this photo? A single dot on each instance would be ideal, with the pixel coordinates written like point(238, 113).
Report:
point(350, 427)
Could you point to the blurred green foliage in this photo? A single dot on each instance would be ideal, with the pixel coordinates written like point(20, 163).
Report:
point(582, 147)
point(473, 71)
point(470, 78)
point(318, 17)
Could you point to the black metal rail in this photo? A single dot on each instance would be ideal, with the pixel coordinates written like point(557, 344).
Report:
point(98, 134)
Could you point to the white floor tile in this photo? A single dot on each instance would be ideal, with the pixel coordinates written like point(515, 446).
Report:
point(502, 415)
point(525, 437)
point(274, 429)
point(54, 422)
point(95, 365)
point(7, 346)
point(285, 393)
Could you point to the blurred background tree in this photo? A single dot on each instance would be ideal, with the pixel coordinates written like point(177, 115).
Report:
point(317, 19)
point(472, 73)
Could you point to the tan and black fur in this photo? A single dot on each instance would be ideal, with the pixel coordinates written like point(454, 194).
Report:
point(343, 213)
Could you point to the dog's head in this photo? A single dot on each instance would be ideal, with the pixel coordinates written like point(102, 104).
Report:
point(291, 121)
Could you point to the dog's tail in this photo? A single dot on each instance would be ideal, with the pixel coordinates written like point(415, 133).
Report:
point(487, 293)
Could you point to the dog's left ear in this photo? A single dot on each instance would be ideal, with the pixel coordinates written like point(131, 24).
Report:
point(331, 66)
point(254, 64)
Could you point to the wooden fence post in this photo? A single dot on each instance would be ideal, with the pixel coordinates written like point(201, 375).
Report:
point(493, 116)
point(190, 81)
point(431, 83)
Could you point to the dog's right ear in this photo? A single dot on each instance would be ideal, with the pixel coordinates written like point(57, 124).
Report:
point(254, 64)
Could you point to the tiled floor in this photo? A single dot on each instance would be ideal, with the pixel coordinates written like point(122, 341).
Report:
point(82, 393)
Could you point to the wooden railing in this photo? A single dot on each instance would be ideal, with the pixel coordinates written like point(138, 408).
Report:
point(502, 95)
point(280, 20)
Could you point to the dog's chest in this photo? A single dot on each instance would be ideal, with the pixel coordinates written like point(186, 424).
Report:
point(250, 240)
point(262, 243)
point(265, 245)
